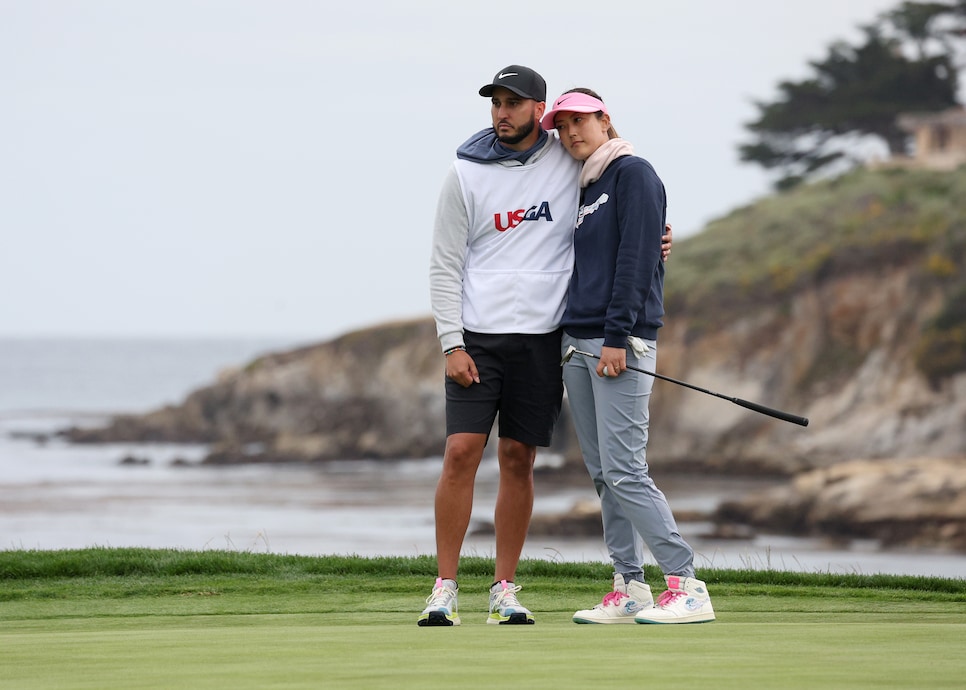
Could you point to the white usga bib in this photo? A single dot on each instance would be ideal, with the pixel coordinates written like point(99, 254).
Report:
point(520, 247)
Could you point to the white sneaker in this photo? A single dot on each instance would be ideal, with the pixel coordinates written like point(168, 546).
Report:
point(685, 601)
point(504, 607)
point(441, 605)
point(620, 605)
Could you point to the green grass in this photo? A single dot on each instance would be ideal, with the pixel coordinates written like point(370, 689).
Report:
point(130, 618)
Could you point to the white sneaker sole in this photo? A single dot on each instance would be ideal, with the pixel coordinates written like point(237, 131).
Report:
point(604, 621)
point(694, 618)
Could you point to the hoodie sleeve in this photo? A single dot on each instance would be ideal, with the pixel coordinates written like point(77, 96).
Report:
point(641, 209)
point(447, 260)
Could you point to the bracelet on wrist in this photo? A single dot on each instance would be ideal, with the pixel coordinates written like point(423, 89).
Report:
point(447, 353)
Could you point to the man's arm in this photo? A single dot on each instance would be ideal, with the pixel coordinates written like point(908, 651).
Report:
point(450, 234)
point(666, 242)
point(447, 262)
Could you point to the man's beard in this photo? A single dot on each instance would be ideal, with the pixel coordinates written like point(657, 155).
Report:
point(522, 133)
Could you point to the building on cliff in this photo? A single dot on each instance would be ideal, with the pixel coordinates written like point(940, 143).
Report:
point(939, 140)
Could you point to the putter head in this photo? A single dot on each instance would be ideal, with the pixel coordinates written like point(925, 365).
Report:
point(568, 354)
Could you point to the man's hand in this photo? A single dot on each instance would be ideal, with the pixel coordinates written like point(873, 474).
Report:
point(461, 368)
point(666, 242)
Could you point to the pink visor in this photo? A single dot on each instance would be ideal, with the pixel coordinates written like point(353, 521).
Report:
point(572, 103)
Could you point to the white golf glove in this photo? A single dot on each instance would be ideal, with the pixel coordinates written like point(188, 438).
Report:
point(638, 346)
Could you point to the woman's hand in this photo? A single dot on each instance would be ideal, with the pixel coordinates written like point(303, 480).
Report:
point(613, 360)
point(666, 242)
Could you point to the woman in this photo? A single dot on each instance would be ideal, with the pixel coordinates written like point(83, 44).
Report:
point(614, 307)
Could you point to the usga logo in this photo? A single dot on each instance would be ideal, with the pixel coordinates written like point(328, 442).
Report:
point(514, 218)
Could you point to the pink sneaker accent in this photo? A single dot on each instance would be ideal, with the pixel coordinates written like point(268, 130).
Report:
point(668, 597)
point(614, 598)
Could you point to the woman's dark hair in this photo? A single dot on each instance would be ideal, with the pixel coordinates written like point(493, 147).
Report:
point(611, 132)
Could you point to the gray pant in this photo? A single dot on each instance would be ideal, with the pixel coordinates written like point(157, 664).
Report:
point(611, 419)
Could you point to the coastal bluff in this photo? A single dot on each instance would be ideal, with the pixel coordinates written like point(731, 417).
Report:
point(843, 301)
point(370, 394)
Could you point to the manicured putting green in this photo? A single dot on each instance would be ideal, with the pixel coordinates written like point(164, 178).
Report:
point(147, 619)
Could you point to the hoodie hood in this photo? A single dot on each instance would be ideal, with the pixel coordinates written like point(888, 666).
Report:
point(484, 147)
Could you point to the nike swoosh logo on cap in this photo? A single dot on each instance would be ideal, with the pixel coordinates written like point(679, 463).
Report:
point(508, 74)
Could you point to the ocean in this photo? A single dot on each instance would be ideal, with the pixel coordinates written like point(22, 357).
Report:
point(55, 495)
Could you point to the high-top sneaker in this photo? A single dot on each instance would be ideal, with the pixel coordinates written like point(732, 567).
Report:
point(620, 605)
point(685, 601)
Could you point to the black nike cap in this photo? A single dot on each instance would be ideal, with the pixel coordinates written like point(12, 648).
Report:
point(521, 80)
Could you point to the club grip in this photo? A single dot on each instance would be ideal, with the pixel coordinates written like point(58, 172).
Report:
point(778, 414)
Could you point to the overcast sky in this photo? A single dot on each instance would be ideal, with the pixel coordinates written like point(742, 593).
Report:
point(270, 168)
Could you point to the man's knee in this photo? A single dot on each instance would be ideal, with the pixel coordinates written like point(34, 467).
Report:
point(516, 457)
point(464, 450)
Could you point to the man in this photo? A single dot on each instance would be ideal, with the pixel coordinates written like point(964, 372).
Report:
point(501, 263)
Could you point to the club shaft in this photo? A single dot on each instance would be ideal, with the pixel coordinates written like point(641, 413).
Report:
point(756, 407)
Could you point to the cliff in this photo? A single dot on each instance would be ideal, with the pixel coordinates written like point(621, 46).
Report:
point(375, 393)
point(845, 302)
point(842, 301)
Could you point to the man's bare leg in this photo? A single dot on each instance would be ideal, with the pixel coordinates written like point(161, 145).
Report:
point(514, 505)
point(454, 498)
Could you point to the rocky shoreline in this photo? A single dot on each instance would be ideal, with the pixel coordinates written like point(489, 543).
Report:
point(848, 311)
point(913, 503)
point(918, 502)
point(333, 402)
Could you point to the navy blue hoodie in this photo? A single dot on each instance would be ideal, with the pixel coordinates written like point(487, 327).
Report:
point(617, 288)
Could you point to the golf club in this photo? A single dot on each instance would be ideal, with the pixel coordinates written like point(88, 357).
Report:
point(778, 414)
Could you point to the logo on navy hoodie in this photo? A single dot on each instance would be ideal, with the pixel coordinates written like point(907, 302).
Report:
point(514, 218)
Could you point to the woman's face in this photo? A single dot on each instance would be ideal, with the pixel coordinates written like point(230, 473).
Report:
point(582, 133)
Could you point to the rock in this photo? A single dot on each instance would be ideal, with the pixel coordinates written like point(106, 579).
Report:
point(40, 438)
point(582, 520)
point(917, 502)
point(729, 532)
point(375, 393)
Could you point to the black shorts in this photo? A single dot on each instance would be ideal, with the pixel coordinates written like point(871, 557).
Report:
point(520, 378)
